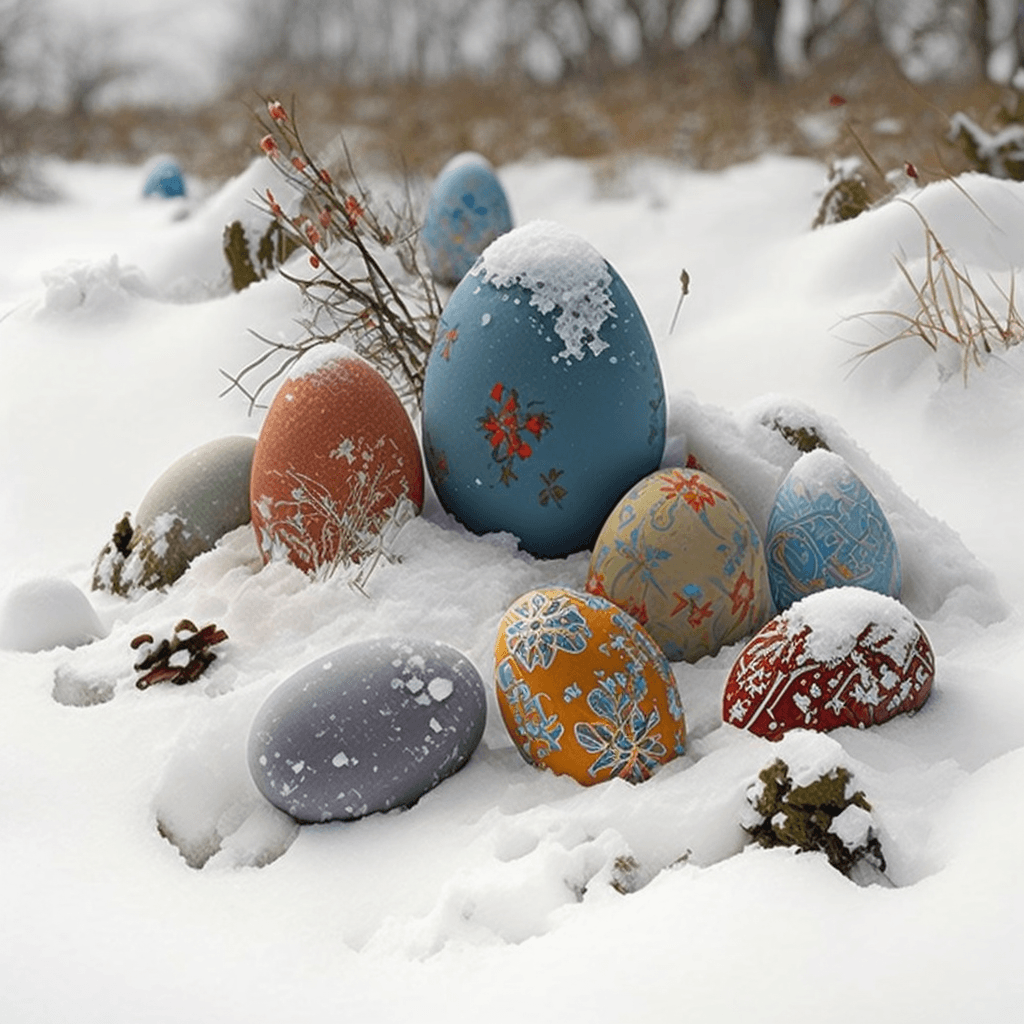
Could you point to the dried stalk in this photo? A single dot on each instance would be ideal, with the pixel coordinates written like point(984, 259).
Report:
point(949, 309)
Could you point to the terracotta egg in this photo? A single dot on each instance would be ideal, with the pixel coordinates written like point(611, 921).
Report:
point(192, 504)
point(583, 689)
point(164, 179)
point(466, 211)
point(827, 530)
point(543, 401)
point(684, 559)
point(337, 460)
point(845, 656)
point(369, 727)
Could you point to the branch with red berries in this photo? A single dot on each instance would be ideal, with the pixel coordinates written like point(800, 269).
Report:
point(364, 285)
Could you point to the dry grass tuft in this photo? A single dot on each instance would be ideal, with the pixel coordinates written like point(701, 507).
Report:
point(949, 313)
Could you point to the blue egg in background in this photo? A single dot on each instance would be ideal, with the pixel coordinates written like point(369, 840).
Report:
point(165, 180)
point(826, 529)
point(466, 211)
point(543, 401)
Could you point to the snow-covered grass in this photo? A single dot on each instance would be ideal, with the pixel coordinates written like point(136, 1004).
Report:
point(142, 877)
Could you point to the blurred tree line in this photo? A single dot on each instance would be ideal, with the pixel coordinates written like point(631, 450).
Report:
point(363, 41)
point(61, 65)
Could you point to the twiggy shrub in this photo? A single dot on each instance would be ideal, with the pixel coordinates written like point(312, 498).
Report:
point(363, 284)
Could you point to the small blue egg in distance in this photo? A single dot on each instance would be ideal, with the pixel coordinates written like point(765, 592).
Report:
point(543, 401)
point(164, 180)
point(466, 211)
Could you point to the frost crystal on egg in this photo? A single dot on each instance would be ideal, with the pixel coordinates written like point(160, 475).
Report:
point(560, 271)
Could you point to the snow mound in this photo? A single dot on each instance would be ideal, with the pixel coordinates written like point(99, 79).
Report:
point(101, 290)
point(44, 613)
point(748, 452)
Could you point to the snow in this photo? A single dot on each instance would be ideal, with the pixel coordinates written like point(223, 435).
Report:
point(143, 876)
point(44, 613)
point(836, 618)
point(561, 271)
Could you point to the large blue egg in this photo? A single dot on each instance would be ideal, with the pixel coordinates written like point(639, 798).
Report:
point(543, 401)
point(466, 211)
point(164, 180)
point(826, 529)
point(369, 727)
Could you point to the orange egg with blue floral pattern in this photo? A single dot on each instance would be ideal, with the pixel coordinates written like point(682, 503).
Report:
point(583, 689)
point(683, 557)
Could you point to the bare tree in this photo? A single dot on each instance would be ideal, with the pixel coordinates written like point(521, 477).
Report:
point(765, 16)
point(21, 24)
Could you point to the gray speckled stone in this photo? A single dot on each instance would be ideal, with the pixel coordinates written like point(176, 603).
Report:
point(207, 489)
point(366, 728)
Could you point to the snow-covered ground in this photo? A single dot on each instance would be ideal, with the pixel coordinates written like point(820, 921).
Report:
point(497, 897)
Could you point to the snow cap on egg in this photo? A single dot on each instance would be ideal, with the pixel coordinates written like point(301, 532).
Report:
point(562, 272)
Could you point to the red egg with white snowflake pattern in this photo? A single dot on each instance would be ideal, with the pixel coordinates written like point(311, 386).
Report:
point(336, 463)
point(844, 656)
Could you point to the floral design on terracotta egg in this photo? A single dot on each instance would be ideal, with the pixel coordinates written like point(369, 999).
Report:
point(682, 556)
point(826, 529)
point(466, 211)
point(583, 690)
point(337, 462)
point(844, 656)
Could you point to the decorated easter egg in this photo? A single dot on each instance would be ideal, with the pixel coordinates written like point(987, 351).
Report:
point(684, 559)
point(826, 529)
point(40, 614)
point(583, 689)
point(466, 211)
point(845, 656)
point(337, 462)
point(193, 503)
point(164, 179)
point(368, 727)
point(543, 400)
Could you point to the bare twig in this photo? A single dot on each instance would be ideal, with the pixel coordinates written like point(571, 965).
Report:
point(366, 287)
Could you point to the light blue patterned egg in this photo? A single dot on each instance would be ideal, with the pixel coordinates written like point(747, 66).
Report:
point(466, 211)
point(826, 529)
point(543, 401)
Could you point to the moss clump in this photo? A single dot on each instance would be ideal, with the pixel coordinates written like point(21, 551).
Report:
point(806, 817)
point(846, 197)
point(248, 266)
point(804, 439)
point(136, 559)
